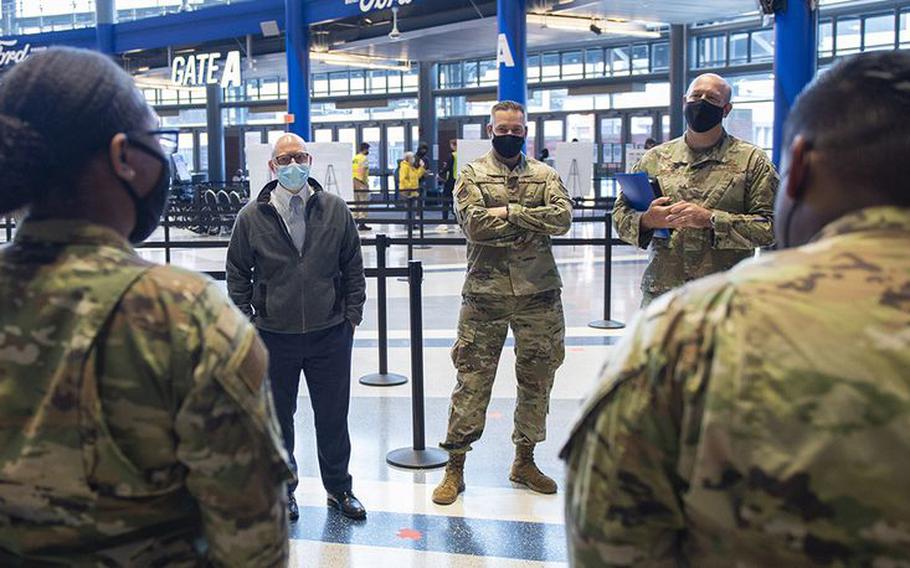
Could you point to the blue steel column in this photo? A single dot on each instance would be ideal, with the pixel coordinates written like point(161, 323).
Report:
point(214, 126)
point(297, 45)
point(104, 25)
point(795, 60)
point(513, 80)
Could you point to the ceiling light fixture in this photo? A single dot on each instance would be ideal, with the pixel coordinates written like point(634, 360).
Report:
point(395, 34)
point(355, 60)
point(587, 24)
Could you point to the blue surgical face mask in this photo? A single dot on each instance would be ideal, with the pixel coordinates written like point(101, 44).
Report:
point(293, 177)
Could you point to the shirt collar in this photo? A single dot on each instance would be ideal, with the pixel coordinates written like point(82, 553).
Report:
point(281, 197)
point(504, 169)
point(887, 218)
point(69, 232)
point(684, 154)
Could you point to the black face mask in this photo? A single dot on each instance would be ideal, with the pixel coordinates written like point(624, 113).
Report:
point(508, 145)
point(702, 116)
point(150, 208)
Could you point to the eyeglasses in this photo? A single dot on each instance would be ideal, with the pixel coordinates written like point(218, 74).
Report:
point(286, 159)
point(166, 137)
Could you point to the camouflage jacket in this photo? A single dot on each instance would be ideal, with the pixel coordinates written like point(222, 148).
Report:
point(137, 424)
point(759, 417)
point(734, 179)
point(511, 257)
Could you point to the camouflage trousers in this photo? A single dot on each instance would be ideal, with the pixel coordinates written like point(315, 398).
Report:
point(361, 198)
point(538, 324)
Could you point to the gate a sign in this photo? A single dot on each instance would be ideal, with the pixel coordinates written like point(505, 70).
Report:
point(201, 69)
point(504, 52)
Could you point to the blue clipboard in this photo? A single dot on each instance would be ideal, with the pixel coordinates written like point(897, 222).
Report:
point(639, 192)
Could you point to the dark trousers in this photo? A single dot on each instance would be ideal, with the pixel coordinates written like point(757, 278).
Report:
point(447, 198)
point(325, 358)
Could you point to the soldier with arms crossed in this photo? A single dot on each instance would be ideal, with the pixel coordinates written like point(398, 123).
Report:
point(508, 206)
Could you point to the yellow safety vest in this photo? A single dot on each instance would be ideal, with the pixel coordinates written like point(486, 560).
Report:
point(360, 168)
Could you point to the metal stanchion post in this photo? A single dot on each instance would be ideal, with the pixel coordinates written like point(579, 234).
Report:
point(410, 229)
point(607, 322)
point(418, 456)
point(410, 233)
point(383, 378)
point(167, 237)
point(421, 204)
point(9, 229)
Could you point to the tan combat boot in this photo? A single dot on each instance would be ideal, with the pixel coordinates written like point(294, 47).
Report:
point(453, 482)
point(525, 472)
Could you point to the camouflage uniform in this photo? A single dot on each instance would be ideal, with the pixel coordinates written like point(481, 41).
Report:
point(760, 417)
point(734, 179)
point(512, 280)
point(137, 425)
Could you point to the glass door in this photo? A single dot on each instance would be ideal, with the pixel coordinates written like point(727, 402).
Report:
point(372, 135)
point(472, 131)
point(553, 132)
point(611, 144)
point(395, 144)
point(349, 135)
point(322, 135)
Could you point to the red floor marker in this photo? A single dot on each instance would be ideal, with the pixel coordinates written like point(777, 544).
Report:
point(409, 534)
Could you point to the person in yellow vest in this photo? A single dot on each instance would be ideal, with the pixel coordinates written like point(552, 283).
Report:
point(409, 175)
point(361, 172)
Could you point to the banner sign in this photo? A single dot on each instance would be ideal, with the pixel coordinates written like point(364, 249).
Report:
point(11, 54)
point(370, 5)
point(201, 69)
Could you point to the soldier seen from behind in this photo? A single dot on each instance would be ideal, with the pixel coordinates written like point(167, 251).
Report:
point(137, 426)
point(761, 417)
point(718, 195)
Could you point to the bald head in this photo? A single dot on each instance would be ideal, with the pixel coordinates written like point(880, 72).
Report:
point(712, 87)
point(289, 143)
point(289, 149)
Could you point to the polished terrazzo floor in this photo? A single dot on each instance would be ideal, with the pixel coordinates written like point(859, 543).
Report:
point(495, 523)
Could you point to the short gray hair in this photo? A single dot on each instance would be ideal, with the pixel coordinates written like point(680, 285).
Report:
point(509, 106)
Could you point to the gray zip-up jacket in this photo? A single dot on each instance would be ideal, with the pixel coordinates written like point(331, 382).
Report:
point(285, 291)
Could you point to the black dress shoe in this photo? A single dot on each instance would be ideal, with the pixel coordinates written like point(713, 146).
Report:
point(364, 227)
point(347, 505)
point(293, 510)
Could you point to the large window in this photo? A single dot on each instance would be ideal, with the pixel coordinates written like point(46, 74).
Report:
point(762, 46)
point(752, 118)
point(573, 66)
point(711, 50)
point(826, 38)
point(878, 32)
point(660, 57)
point(848, 36)
point(904, 29)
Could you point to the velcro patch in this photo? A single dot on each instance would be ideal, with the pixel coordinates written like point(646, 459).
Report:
point(254, 366)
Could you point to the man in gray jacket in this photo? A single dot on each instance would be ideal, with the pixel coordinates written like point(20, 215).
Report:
point(294, 267)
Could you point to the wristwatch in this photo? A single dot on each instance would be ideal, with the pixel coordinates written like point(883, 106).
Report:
point(713, 221)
